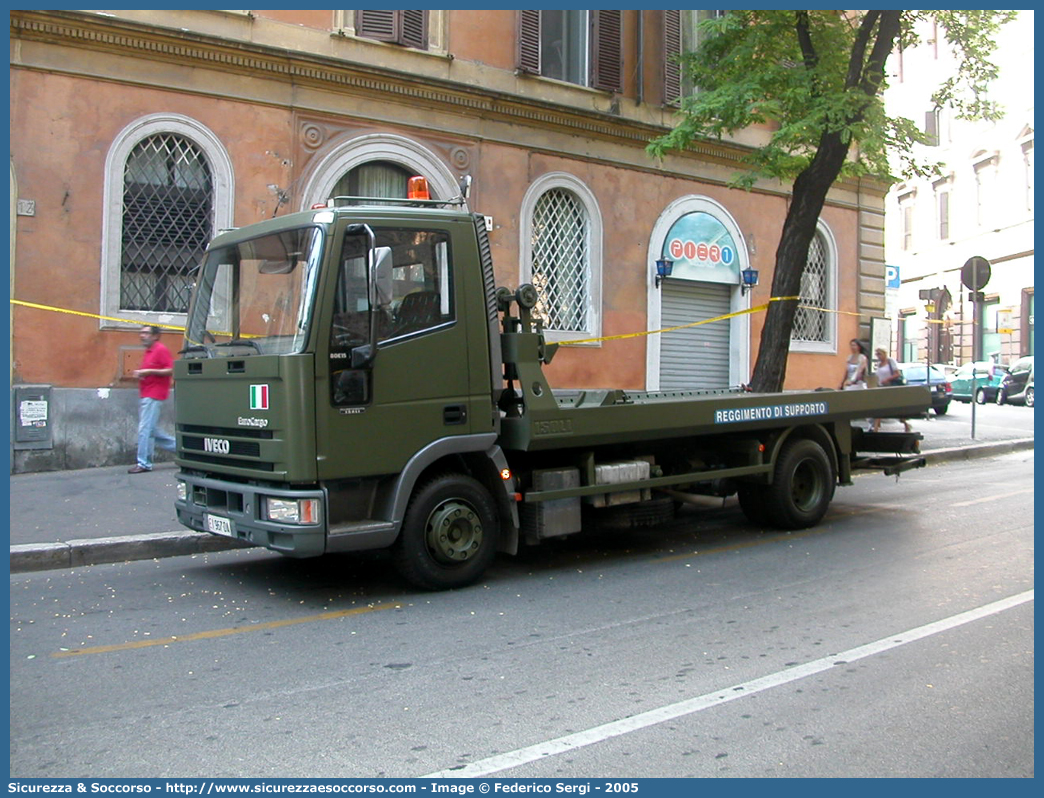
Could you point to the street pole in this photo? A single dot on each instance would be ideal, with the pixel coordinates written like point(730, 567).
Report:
point(975, 274)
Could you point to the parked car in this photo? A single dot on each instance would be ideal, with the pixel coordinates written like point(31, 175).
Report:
point(1017, 387)
point(942, 391)
point(988, 376)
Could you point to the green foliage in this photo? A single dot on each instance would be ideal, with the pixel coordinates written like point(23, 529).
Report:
point(805, 75)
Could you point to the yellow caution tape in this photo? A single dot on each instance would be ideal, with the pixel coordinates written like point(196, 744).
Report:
point(135, 322)
point(755, 309)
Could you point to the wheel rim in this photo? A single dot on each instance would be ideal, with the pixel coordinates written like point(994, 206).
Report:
point(806, 488)
point(453, 532)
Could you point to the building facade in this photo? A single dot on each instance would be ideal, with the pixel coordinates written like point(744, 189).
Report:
point(979, 207)
point(136, 135)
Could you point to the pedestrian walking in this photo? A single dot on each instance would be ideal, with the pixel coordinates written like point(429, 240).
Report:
point(888, 373)
point(154, 381)
point(855, 367)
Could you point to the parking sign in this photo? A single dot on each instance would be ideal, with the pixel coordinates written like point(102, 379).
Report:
point(891, 276)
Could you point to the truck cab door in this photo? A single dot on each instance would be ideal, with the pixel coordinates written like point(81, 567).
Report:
point(387, 399)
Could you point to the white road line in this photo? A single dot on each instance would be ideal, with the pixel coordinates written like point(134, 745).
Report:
point(571, 742)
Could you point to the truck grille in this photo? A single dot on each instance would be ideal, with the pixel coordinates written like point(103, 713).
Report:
point(220, 446)
point(237, 448)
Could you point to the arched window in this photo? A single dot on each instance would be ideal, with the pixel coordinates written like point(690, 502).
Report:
point(373, 179)
point(561, 255)
point(168, 190)
point(374, 162)
point(814, 326)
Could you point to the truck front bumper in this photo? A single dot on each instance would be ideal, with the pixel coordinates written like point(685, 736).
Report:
point(237, 510)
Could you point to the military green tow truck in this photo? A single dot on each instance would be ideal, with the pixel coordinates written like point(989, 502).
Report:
point(353, 379)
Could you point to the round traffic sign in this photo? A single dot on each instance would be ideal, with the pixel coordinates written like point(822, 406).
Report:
point(975, 273)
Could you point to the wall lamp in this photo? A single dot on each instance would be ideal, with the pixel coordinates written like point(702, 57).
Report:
point(750, 279)
point(663, 270)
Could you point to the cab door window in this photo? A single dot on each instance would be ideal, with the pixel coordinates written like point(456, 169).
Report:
point(417, 300)
point(421, 295)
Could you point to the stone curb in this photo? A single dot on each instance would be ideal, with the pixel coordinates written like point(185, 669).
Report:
point(97, 551)
point(977, 450)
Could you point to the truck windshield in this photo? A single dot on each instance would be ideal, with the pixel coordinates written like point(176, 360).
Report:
point(255, 297)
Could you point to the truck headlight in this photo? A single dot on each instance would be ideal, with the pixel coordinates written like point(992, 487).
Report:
point(292, 511)
point(182, 491)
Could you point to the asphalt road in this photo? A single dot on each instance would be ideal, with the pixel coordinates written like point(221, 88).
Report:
point(895, 639)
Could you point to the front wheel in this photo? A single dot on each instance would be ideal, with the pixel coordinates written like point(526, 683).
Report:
point(980, 396)
point(449, 535)
point(802, 485)
point(999, 398)
point(1029, 397)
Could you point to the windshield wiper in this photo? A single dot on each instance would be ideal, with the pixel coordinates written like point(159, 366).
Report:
point(240, 342)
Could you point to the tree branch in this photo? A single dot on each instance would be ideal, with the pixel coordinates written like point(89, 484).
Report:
point(855, 63)
point(887, 31)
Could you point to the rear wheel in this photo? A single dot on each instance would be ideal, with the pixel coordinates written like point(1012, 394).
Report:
point(802, 485)
point(449, 535)
point(941, 410)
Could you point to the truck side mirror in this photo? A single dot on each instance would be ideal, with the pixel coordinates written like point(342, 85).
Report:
point(382, 257)
point(362, 356)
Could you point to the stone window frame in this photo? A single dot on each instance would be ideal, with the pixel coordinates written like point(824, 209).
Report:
point(342, 157)
point(222, 174)
point(344, 25)
point(567, 182)
point(829, 344)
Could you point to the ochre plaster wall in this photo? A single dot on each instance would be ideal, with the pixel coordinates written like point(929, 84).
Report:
point(58, 258)
point(59, 249)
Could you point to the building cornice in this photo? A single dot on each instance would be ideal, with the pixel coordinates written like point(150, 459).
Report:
point(193, 49)
point(123, 38)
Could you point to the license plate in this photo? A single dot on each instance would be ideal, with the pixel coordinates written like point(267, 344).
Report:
point(219, 525)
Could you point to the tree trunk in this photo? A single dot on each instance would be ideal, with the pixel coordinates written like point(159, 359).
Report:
point(809, 194)
point(877, 32)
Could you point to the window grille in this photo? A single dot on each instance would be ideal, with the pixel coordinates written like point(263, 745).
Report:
point(561, 267)
point(809, 324)
point(168, 211)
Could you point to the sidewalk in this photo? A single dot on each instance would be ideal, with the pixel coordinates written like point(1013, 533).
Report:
point(63, 519)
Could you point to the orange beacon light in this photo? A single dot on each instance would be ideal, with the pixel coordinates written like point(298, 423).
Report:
point(417, 189)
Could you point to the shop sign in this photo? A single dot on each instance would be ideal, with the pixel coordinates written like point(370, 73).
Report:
point(702, 249)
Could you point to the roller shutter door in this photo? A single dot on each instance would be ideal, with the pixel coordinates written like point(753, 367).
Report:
point(696, 357)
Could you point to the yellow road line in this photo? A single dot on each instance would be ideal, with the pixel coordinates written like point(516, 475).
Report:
point(997, 497)
point(216, 633)
point(780, 538)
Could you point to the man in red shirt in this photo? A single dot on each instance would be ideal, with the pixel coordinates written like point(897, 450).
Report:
point(154, 379)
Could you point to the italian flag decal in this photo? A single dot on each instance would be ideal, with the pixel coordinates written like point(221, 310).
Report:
point(259, 397)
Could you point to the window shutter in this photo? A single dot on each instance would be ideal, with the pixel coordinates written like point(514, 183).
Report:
point(529, 42)
point(671, 48)
point(931, 127)
point(408, 28)
point(414, 29)
point(607, 50)
point(378, 25)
